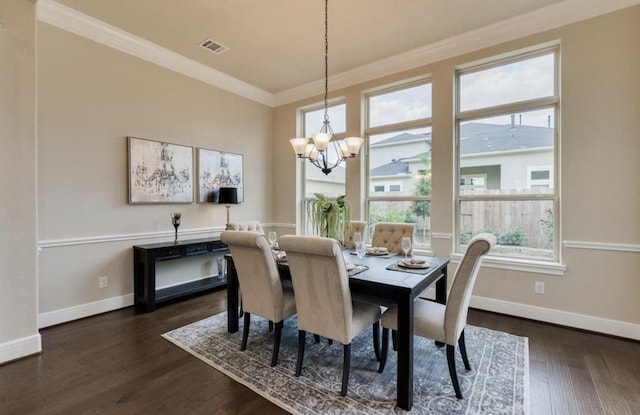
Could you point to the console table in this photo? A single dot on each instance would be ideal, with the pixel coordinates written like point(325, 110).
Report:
point(146, 296)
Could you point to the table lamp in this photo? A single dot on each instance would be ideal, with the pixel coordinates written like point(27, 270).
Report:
point(228, 195)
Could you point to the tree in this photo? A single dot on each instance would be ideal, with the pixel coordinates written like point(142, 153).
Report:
point(422, 208)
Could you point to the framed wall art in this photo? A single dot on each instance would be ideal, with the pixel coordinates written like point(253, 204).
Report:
point(159, 172)
point(218, 169)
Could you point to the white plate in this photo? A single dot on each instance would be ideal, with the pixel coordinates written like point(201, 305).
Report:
point(413, 263)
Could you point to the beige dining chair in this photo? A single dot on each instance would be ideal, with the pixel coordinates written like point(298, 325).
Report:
point(445, 323)
point(354, 226)
point(389, 235)
point(253, 226)
point(323, 297)
point(259, 280)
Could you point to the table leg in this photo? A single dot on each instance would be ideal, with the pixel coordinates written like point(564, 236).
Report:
point(405, 353)
point(232, 296)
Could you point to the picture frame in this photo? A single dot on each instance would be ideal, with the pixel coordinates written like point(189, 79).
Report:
point(218, 169)
point(159, 172)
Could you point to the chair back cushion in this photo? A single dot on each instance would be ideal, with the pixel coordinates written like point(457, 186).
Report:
point(258, 274)
point(354, 226)
point(320, 286)
point(390, 234)
point(465, 277)
point(253, 226)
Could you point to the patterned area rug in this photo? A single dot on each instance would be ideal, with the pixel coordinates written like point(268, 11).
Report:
point(497, 384)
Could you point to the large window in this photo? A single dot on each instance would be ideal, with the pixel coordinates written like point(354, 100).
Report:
point(506, 124)
point(399, 157)
point(315, 181)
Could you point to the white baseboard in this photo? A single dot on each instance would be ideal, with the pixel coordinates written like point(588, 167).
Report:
point(564, 318)
point(15, 349)
point(83, 310)
point(547, 315)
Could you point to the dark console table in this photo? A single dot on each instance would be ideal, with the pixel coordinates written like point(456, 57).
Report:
point(146, 296)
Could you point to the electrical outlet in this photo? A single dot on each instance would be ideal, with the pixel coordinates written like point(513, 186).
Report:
point(539, 287)
point(103, 282)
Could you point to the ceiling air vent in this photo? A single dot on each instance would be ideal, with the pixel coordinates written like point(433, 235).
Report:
point(213, 46)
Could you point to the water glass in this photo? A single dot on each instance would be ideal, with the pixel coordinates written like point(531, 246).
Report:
point(361, 250)
point(273, 238)
point(405, 245)
point(357, 238)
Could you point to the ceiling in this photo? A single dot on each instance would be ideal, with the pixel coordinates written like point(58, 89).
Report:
point(278, 45)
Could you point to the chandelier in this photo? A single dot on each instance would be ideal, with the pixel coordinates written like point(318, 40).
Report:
point(317, 149)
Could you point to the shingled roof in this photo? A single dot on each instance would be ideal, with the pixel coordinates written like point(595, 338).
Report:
point(475, 138)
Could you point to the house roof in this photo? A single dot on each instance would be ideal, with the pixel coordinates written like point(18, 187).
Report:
point(475, 138)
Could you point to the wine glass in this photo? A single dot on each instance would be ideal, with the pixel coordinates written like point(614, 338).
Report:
point(361, 250)
point(357, 238)
point(273, 238)
point(406, 246)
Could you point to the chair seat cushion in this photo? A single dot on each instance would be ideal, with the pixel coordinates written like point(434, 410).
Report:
point(428, 319)
point(364, 315)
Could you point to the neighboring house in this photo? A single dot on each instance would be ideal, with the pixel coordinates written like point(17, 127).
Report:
point(483, 146)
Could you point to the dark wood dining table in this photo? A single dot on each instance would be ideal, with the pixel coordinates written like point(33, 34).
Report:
point(377, 285)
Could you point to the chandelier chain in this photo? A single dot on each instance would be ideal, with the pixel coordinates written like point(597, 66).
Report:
point(326, 59)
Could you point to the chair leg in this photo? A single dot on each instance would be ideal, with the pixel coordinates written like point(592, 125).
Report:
point(270, 325)
point(276, 343)
point(245, 331)
point(346, 358)
point(463, 351)
point(394, 339)
point(316, 338)
point(241, 310)
point(376, 339)
point(385, 349)
point(301, 337)
point(451, 360)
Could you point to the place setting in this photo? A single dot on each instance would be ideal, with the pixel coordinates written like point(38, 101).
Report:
point(407, 264)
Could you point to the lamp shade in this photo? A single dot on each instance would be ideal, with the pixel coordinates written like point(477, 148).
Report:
point(228, 195)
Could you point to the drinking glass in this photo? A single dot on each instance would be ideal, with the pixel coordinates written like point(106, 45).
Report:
point(273, 238)
point(406, 245)
point(361, 250)
point(357, 238)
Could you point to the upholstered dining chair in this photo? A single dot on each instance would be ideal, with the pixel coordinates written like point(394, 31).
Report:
point(253, 226)
point(354, 226)
point(259, 280)
point(445, 323)
point(323, 297)
point(390, 234)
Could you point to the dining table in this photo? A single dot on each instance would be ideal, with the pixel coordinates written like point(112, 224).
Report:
point(377, 280)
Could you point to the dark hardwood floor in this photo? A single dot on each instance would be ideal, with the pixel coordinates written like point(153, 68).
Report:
point(117, 363)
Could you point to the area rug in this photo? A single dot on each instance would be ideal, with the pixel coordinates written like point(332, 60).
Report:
point(497, 384)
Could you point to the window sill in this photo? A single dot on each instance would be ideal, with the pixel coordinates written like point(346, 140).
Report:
point(514, 264)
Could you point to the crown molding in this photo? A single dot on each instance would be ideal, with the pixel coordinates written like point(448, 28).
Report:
point(68, 19)
point(546, 18)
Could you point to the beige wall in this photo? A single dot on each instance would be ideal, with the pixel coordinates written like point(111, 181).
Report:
point(600, 154)
point(18, 282)
point(91, 98)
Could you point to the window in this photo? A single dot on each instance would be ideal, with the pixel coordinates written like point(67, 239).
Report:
point(315, 181)
point(539, 177)
point(506, 123)
point(398, 134)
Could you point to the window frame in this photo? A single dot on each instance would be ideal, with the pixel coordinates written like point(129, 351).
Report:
point(426, 123)
point(319, 106)
point(549, 102)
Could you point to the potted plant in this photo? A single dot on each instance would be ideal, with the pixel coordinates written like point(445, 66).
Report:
point(329, 216)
